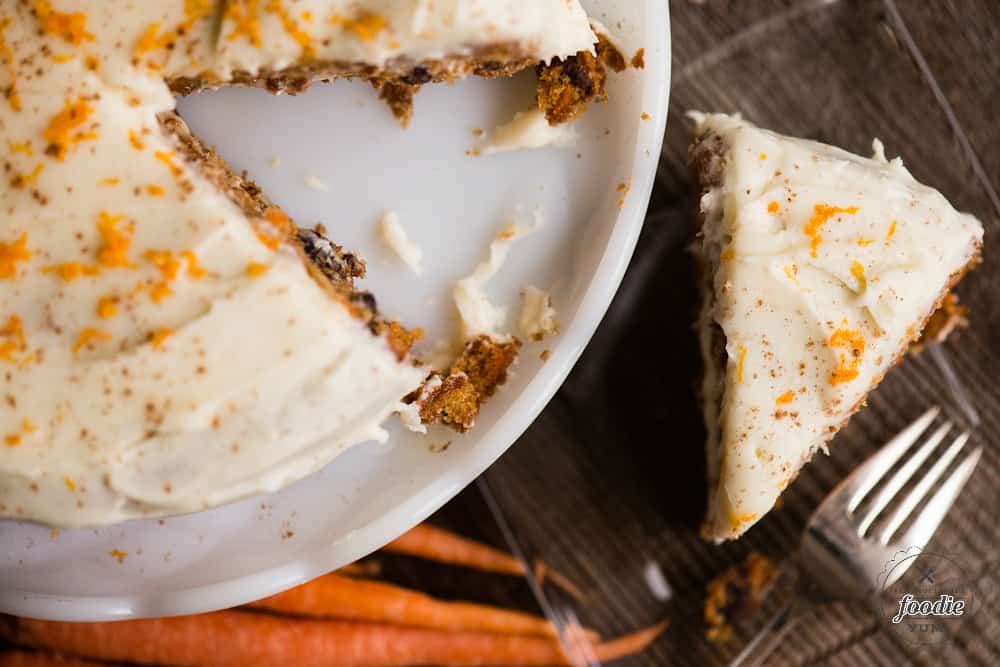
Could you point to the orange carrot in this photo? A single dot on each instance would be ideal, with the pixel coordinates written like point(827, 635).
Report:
point(334, 596)
point(361, 568)
point(582, 652)
point(241, 639)
point(431, 543)
point(38, 659)
point(436, 544)
point(543, 572)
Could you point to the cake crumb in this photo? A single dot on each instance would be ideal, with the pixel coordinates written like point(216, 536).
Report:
point(527, 130)
point(544, 355)
point(949, 316)
point(409, 415)
point(736, 594)
point(478, 132)
point(455, 399)
point(314, 183)
point(639, 59)
point(567, 86)
point(395, 238)
point(275, 162)
point(478, 315)
point(538, 317)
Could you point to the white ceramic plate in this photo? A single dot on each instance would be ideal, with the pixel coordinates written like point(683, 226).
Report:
point(451, 204)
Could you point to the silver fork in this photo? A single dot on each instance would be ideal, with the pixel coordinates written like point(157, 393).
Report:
point(840, 556)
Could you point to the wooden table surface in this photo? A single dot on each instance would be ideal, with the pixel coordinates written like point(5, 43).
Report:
point(611, 476)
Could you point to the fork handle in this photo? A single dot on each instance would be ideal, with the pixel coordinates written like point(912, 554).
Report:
point(767, 639)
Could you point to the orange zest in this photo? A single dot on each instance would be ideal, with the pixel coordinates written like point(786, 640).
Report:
point(14, 340)
point(256, 269)
point(785, 398)
point(114, 251)
point(64, 129)
point(107, 307)
point(70, 271)
point(70, 27)
point(303, 38)
point(858, 271)
point(167, 158)
point(792, 273)
point(23, 180)
point(11, 254)
point(89, 335)
point(738, 520)
point(821, 214)
point(194, 269)
point(849, 360)
point(169, 266)
point(243, 14)
point(133, 138)
point(366, 25)
point(159, 337)
point(740, 361)
point(279, 228)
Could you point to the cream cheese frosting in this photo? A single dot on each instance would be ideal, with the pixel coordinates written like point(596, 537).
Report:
point(377, 31)
point(162, 352)
point(826, 266)
point(215, 38)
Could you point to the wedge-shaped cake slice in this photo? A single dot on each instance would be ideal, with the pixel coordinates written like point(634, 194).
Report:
point(820, 268)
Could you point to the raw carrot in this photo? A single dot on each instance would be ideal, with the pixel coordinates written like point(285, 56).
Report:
point(582, 652)
point(39, 659)
point(242, 639)
point(443, 546)
point(362, 568)
point(334, 596)
point(543, 572)
point(431, 543)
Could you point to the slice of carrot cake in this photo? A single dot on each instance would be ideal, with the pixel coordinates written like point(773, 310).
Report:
point(819, 269)
point(170, 340)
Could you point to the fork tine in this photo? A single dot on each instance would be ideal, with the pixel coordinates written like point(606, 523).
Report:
point(929, 518)
point(896, 482)
point(865, 477)
point(922, 488)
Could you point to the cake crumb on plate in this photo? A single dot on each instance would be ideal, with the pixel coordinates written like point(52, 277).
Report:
point(538, 317)
point(479, 316)
point(394, 236)
point(314, 183)
point(528, 129)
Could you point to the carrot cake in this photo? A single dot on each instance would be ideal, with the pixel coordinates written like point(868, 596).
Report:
point(819, 270)
point(170, 340)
